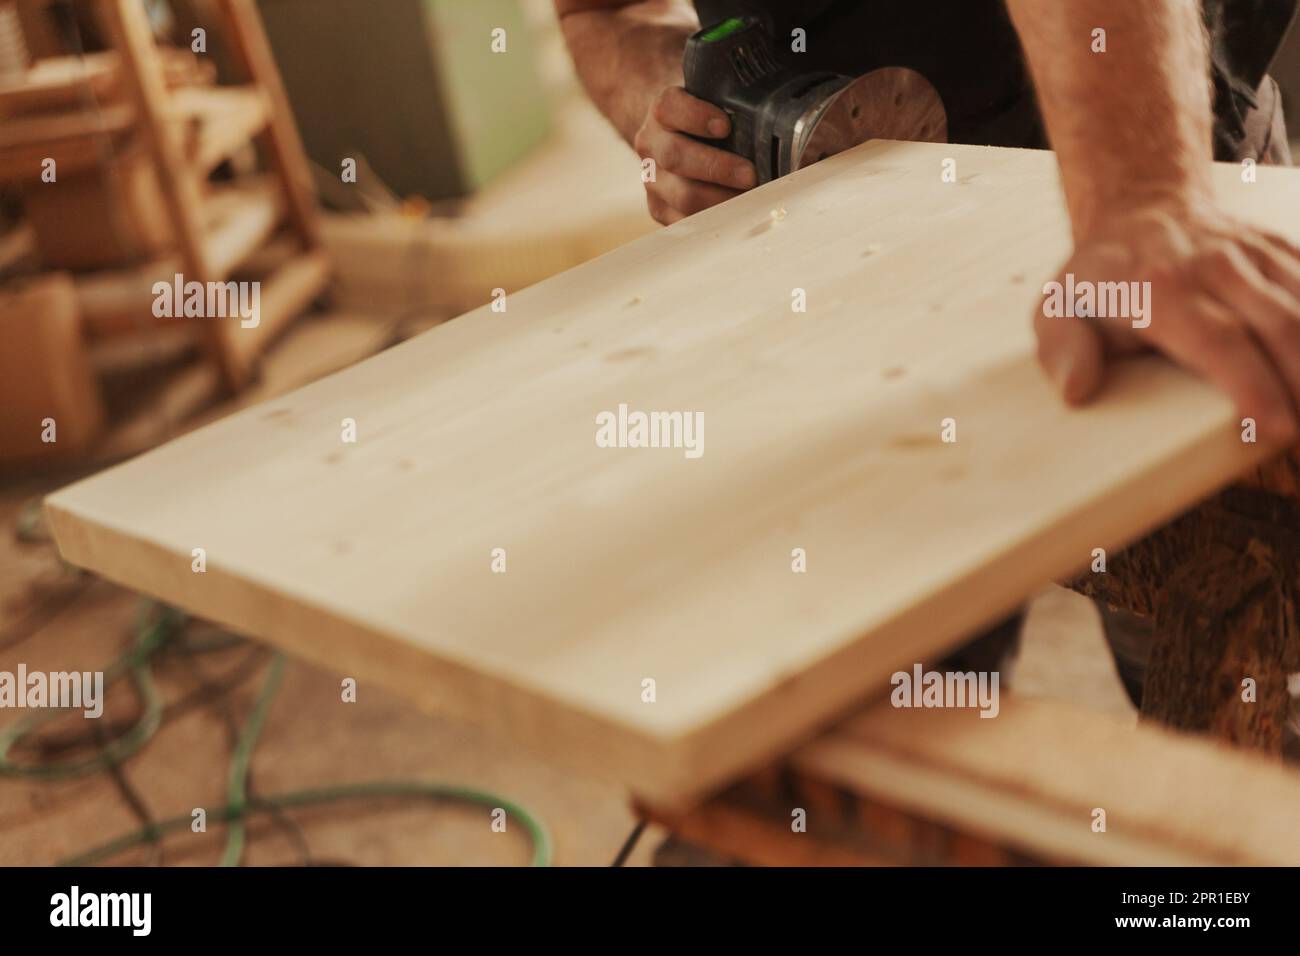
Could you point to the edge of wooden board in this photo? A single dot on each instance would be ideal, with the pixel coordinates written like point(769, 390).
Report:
point(665, 766)
point(436, 684)
point(667, 770)
point(1202, 469)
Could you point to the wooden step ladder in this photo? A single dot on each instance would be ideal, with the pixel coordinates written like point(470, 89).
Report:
point(206, 252)
point(186, 133)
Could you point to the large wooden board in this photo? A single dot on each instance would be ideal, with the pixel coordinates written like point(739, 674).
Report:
point(822, 432)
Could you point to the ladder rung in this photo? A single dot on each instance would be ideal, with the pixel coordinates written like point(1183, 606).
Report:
point(218, 121)
point(222, 120)
point(62, 83)
point(43, 130)
point(57, 83)
point(237, 220)
point(285, 294)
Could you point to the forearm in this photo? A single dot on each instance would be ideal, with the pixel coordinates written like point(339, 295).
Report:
point(1130, 124)
point(626, 52)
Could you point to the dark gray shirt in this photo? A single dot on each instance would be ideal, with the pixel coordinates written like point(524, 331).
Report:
point(969, 50)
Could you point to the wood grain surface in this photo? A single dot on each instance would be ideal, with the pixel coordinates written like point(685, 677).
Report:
point(822, 432)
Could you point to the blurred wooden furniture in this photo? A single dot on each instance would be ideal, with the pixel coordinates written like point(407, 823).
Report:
point(51, 404)
point(135, 134)
point(210, 250)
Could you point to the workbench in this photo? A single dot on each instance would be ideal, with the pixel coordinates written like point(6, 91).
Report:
point(886, 473)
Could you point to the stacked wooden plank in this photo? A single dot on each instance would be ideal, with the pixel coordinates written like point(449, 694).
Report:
point(1044, 782)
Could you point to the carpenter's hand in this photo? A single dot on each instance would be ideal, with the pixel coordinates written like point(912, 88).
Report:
point(1224, 302)
point(688, 175)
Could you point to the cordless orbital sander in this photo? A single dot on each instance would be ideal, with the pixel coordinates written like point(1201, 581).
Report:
point(783, 120)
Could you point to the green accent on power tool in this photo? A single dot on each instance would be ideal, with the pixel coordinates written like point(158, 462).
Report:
point(724, 29)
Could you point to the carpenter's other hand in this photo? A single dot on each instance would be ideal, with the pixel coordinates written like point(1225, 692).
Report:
point(688, 175)
point(1224, 303)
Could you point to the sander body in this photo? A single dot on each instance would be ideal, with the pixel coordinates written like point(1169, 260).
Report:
point(783, 119)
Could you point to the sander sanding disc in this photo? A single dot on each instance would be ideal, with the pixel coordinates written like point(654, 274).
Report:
point(890, 103)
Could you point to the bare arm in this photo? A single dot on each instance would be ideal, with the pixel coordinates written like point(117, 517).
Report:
point(1134, 121)
point(1132, 131)
point(626, 51)
point(628, 55)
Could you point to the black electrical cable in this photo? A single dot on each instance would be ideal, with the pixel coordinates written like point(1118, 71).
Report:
point(161, 628)
point(630, 843)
